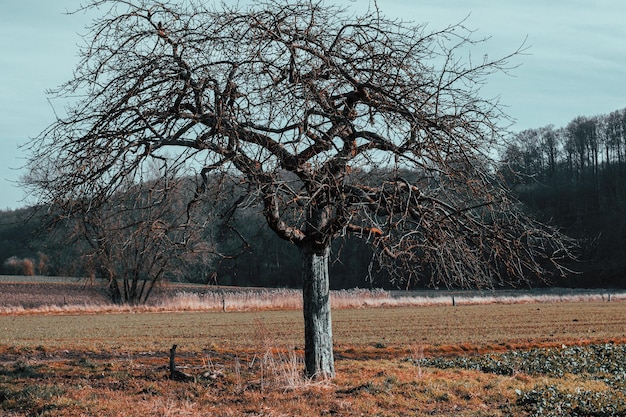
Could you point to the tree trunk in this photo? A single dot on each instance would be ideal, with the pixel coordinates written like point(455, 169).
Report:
point(318, 329)
point(114, 288)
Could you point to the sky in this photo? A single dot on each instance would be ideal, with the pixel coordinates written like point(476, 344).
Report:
point(574, 63)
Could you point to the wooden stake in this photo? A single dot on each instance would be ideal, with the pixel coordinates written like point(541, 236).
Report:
point(175, 374)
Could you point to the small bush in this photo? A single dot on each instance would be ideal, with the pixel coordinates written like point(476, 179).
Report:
point(19, 266)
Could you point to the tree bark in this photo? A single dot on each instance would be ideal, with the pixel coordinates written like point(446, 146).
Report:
point(318, 332)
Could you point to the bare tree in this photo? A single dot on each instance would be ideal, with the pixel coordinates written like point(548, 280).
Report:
point(303, 100)
point(138, 237)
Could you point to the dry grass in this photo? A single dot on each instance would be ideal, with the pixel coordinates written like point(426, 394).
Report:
point(363, 388)
point(249, 364)
point(39, 295)
point(102, 361)
point(42, 384)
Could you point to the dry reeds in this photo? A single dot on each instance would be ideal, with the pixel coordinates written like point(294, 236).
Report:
point(291, 299)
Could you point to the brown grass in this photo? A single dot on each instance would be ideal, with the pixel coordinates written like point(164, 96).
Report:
point(139, 387)
point(246, 383)
point(39, 295)
point(98, 363)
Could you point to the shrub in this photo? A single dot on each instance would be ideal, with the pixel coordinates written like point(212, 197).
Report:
point(19, 266)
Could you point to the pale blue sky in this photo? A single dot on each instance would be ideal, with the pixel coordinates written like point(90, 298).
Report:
point(575, 64)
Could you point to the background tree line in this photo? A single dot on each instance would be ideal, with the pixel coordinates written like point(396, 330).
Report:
point(573, 176)
point(138, 238)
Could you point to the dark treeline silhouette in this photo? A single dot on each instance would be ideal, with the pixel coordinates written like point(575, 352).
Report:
point(575, 177)
point(238, 251)
point(572, 176)
point(116, 245)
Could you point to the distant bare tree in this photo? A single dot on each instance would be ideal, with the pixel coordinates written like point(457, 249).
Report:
point(302, 100)
point(138, 236)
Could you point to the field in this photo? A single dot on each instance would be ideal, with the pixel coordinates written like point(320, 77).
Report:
point(475, 359)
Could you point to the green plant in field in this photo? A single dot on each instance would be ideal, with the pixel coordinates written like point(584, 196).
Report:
point(551, 401)
point(21, 369)
point(603, 361)
point(36, 398)
point(85, 363)
point(602, 364)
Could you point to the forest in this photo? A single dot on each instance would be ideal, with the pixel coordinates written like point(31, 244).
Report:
point(573, 177)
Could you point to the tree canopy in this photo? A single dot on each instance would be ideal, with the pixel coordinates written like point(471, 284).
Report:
point(301, 100)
